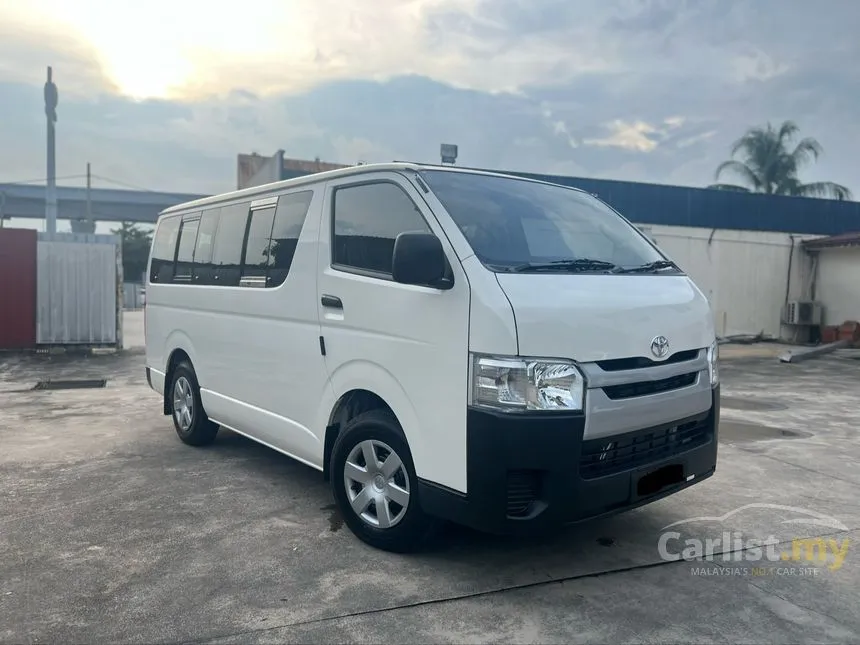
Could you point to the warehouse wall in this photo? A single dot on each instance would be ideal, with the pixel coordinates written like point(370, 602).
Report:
point(742, 273)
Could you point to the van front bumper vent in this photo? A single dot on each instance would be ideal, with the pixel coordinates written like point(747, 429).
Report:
point(523, 491)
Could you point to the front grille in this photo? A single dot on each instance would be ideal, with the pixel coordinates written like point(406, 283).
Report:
point(643, 388)
point(612, 455)
point(523, 490)
point(640, 362)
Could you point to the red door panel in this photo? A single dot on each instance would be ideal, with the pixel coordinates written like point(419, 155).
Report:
point(17, 288)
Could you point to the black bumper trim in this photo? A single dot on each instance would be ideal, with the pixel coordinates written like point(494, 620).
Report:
point(524, 473)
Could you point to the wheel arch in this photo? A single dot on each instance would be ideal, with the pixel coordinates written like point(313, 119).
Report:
point(177, 356)
point(351, 401)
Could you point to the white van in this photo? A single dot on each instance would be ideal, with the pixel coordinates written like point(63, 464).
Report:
point(442, 344)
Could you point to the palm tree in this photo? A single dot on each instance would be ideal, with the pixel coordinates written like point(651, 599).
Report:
point(768, 165)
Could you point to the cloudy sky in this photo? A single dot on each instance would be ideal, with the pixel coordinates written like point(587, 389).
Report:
point(163, 94)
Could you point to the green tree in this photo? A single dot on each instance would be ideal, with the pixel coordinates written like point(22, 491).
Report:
point(769, 162)
point(135, 249)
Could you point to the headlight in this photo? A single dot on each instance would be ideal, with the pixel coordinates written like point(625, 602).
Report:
point(518, 384)
point(714, 363)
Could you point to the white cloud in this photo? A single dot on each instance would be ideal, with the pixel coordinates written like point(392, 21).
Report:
point(637, 135)
point(630, 136)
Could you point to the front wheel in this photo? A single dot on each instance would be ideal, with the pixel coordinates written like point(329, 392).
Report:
point(375, 486)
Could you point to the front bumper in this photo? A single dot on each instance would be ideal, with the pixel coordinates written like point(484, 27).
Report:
point(531, 472)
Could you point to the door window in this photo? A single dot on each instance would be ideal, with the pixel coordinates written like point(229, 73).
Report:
point(367, 220)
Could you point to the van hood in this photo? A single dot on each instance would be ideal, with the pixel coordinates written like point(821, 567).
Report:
point(600, 317)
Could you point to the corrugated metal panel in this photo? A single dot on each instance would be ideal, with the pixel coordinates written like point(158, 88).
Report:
point(76, 293)
point(88, 238)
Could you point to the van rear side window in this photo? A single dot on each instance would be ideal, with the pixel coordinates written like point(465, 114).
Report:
point(204, 273)
point(227, 256)
point(255, 264)
point(185, 250)
point(231, 246)
point(164, 250)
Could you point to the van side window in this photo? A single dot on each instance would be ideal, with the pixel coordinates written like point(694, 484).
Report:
point(227, 253)
point(256, 255)
point(203, 269)
point(289, 219)
point(164, 250)
point(185, 249)
point(367, 220)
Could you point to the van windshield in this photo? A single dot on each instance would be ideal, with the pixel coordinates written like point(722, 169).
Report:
point(519, 225)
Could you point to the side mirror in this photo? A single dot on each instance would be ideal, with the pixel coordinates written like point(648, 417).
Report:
point(419, 259)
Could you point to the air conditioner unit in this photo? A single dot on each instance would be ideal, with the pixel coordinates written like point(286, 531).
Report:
point(802, 312)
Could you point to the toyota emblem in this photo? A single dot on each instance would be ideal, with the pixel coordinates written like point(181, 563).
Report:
point(660, 346)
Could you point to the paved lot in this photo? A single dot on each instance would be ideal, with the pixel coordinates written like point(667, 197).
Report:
point(111, 530)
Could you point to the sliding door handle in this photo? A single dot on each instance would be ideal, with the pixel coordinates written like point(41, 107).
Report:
point(332, 302)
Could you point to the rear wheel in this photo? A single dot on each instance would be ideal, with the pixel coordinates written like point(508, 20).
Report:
point(375, 486)
point(191, 423)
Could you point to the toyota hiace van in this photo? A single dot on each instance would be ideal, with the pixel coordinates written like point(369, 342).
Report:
point(442, 344)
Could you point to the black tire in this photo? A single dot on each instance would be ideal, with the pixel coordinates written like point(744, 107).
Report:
point(414, 529)
point(200, 431)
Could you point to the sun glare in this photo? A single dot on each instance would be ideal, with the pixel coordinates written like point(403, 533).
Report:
point(155, 49)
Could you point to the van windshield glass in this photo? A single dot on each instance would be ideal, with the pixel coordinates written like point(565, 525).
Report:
point(519, 225)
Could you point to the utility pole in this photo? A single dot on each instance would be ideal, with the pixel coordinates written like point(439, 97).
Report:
point(51, 99)
point(85, 223)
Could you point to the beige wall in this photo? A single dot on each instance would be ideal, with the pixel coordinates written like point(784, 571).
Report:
point(742, 273)
point(838, 284)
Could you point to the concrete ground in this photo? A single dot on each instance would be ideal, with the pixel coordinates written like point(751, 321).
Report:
point(111, 530)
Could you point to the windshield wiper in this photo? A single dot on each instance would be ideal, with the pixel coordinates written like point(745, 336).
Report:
point(581, 264)
point(650, 267)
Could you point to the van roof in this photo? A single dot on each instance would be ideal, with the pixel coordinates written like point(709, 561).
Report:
point(395, 166)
